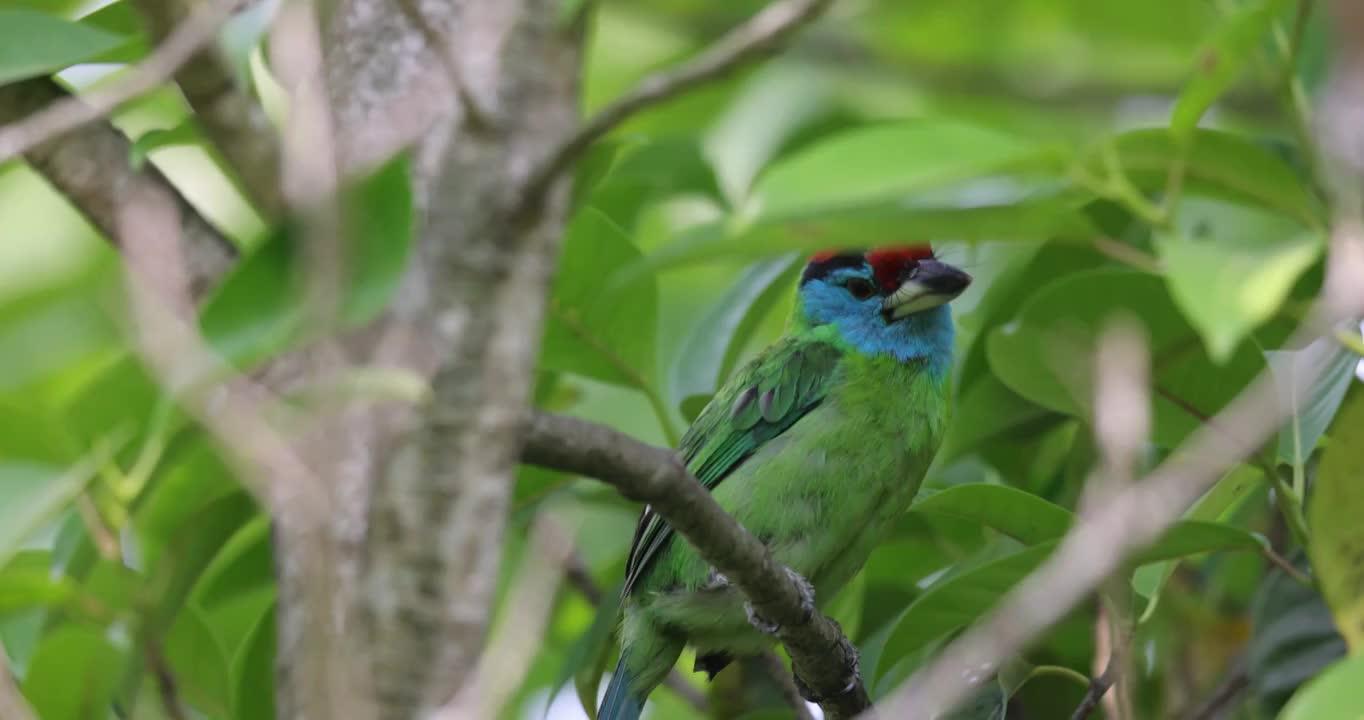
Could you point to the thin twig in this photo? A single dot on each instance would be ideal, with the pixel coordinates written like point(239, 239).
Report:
point(755, 39)
point(66, 115)
point(1283, 564)
point(820, 654)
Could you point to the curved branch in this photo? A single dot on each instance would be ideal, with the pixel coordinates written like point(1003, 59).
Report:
point(820, 654)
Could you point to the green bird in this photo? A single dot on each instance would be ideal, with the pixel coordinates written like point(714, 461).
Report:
point(816, 447)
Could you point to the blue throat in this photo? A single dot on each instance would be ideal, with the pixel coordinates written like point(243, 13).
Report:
point(926, 337)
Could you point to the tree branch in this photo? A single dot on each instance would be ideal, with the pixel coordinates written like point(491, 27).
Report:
point(68, 114)
point(232, 119)
point(90, 167)
point(13, 706)
point(762, 35)
point(820, 654)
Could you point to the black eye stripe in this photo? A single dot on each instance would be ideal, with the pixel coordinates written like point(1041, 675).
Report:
point(822, 268)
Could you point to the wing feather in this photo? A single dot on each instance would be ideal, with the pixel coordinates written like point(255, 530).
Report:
point(767, 397)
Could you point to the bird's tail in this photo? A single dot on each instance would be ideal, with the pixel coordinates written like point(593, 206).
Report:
point(619, 704)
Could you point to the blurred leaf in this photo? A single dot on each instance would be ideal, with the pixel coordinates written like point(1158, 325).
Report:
point(1193, 537)
point(712, 347)
point(27, 582)
point(119, 18)
point(1044, 353)
point(989, 702)
point(257, 310)
point(1333, 369)
point(605, 334)
point(986, 410)
point(69, 321)
point(1020, 515)
point(253, 672)
point(1219, 502)
point(1013, 212)
point(32, 493)
point(33, 44)
point(768, 110)
point(1218, 164)
point(186, 133)
point(1292, 639)
point(200, 668)
point(1230, 266)
point(1332, 695)
point(1334, 509)
point(1221, 60)
point(890, 162)
point(74, 674)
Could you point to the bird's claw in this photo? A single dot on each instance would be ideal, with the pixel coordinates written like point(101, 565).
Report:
point(853, 678)
point(716, 580)
point(807, 606)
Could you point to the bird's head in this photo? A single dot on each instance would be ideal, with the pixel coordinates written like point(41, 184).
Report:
point(889, 300)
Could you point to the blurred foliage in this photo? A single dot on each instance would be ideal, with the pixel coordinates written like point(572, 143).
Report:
point(1083, 159)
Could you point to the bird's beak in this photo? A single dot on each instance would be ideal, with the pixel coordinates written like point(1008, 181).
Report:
point(929, 285)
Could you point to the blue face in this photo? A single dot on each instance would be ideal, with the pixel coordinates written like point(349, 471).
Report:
point(849, 299)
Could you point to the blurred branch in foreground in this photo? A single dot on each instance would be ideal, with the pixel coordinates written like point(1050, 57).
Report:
point(90, 167)
point(12, 703)
point(233, 120)
point(819, 652)
point(65, 115)
point(1097, 545)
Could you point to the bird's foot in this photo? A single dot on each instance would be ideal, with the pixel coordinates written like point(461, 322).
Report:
point(716, 580)
point(850, 681)
point(807, 605)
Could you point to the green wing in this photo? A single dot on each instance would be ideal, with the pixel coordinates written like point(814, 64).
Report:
point(788, 380)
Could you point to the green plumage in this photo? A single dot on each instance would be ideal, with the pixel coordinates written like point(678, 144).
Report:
point(816, 447)
point(819, 472)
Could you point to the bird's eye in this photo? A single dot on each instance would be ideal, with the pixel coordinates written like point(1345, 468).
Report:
point(860, 288)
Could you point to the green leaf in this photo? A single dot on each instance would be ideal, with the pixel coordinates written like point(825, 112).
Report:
point(1333, 370)
point(955, 602)
point(1230, 266)
point(74, 673)
point(766, 112)
point(1219, 164)
point(1020, 515)
point(1045, 353)
point(198, 663)
point(1009, 212)
point(987, 410)
point(258, 310)
point(253, 672)
point(1194, 537)
point(186, 133)
point(1332, 695)
point(1292, 639)
point(31, 494)
point(889, 162)
point(712, 347)
point(1334, 509)
point(33, 44)
point(1220, 62)
point(27, 582)
point(608, 334)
